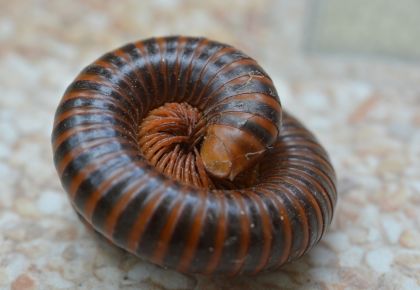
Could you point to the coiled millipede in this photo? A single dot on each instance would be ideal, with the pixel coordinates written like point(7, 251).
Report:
point(176, 150)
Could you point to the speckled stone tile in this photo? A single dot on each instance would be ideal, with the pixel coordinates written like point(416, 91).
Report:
point(365, 111)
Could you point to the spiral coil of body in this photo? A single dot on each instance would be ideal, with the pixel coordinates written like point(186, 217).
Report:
point(177, 215)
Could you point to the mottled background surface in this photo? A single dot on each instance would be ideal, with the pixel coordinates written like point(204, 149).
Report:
point(349, 69)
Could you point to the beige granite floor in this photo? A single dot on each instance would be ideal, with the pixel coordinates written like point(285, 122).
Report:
point(366, 111)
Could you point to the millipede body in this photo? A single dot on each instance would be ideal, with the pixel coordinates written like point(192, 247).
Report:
point(176, 149)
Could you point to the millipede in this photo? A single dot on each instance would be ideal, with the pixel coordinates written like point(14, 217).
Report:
point(177, 150)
